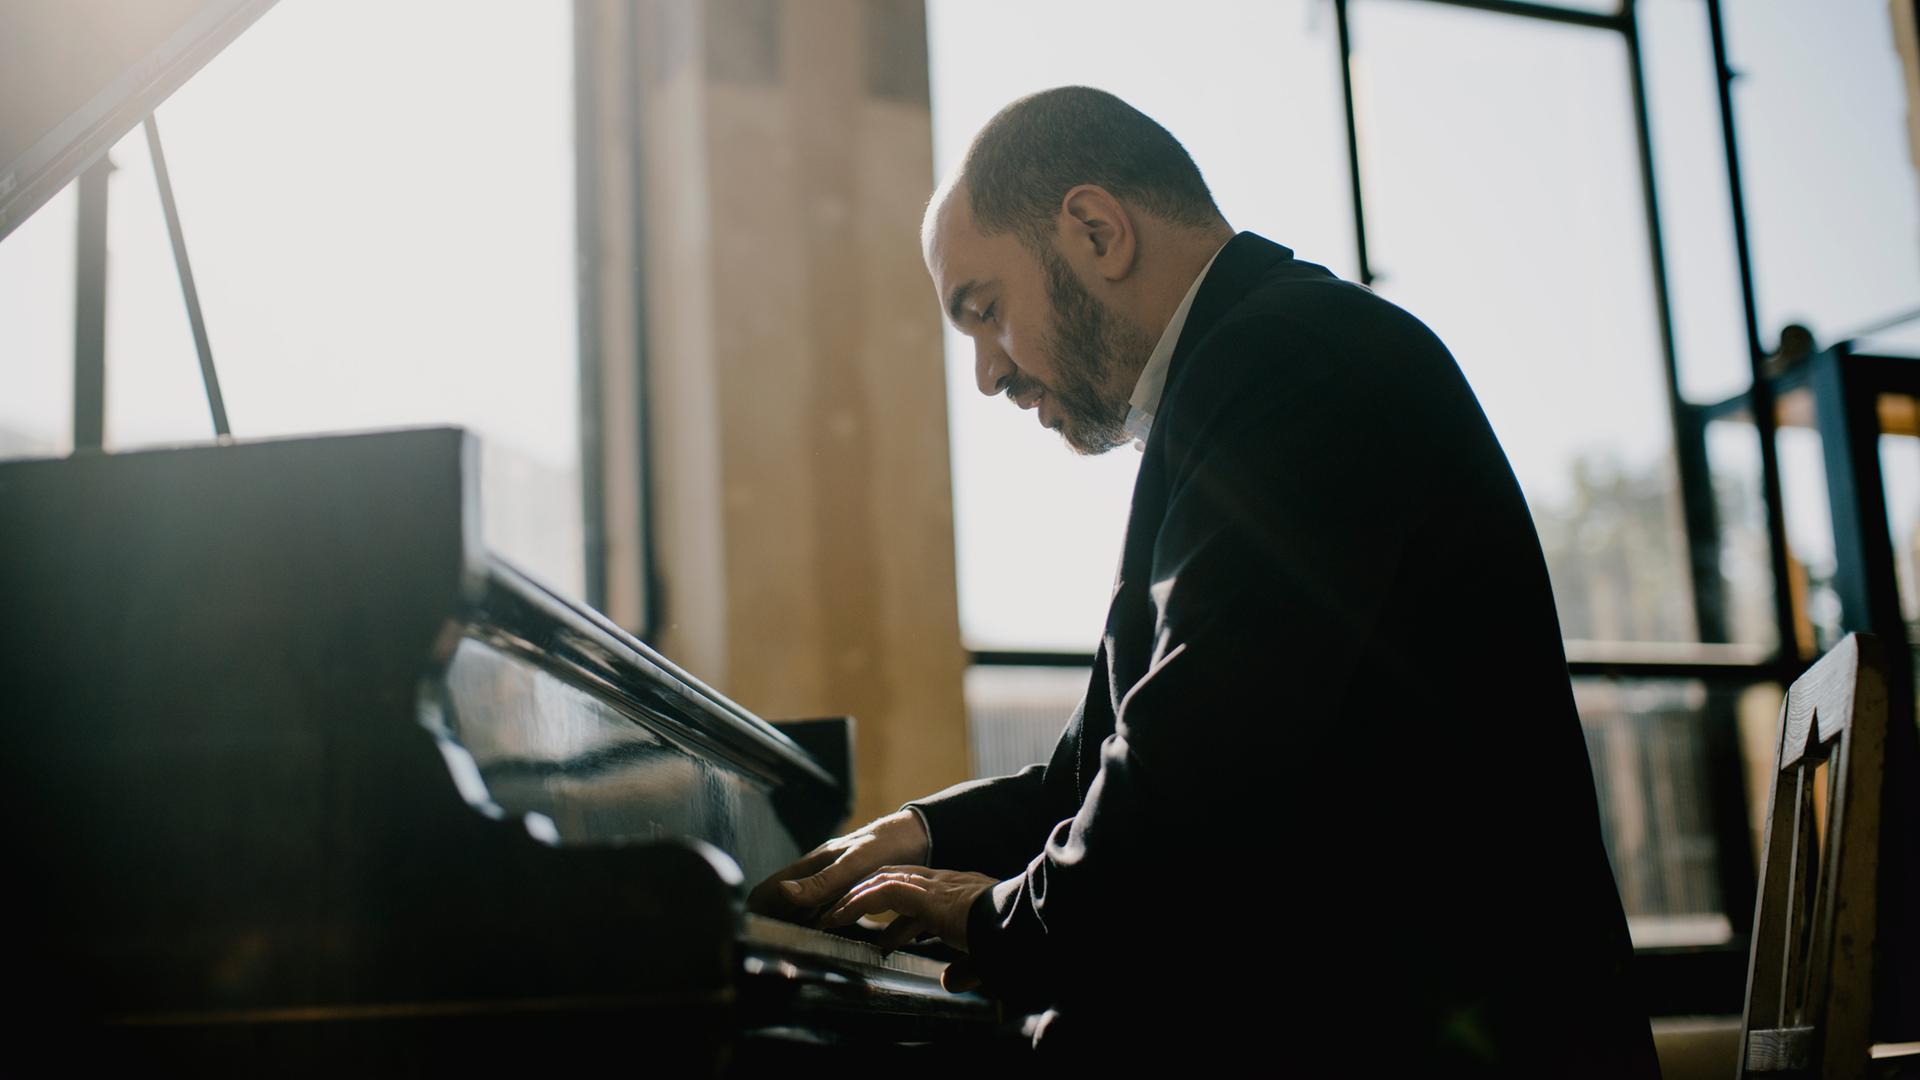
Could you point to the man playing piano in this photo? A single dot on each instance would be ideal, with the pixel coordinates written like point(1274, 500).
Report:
point(1328, 740)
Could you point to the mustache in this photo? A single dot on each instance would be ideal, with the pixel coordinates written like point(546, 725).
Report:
point(1019, 385)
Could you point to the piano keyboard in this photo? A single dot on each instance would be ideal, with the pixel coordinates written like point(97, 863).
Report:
point(764, 933)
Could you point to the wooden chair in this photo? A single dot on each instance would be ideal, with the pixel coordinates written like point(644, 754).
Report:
point(1810, 977)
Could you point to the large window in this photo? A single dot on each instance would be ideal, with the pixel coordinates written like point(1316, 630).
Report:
point(1829, 170)
point(379, 204)
point(36, 332)
point(1504, 209)
point(1549, 187)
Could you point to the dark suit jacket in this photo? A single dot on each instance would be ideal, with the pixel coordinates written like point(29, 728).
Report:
point(1329, 744)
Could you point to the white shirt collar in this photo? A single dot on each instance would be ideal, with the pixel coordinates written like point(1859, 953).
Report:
point(1145, 401)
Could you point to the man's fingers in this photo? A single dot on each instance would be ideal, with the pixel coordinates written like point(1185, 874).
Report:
point(809, 891)
point(770, 897)
point(899, 932)
point(822, 887)
point(860, 900)
point(884, 876)
point(897, 893)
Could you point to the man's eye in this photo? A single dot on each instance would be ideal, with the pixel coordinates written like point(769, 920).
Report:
point(987, 315)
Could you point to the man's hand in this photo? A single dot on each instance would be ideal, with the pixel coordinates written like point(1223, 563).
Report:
point(803, 890)
point(924, 901)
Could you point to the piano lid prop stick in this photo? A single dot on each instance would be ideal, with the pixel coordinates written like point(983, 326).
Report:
point(215, 403)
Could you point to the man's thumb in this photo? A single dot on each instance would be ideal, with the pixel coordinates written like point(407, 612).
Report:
point(960, 976)
point(802, 890)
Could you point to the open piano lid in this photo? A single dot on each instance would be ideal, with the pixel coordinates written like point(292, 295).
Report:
point(76, 75)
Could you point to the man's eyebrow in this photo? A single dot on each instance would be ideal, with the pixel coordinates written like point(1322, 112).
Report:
point(959, 297)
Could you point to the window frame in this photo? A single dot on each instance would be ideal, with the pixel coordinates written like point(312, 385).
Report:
point(1695, 979)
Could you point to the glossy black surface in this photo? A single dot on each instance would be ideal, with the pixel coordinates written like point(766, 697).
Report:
point(540, 745)
point(286, 751)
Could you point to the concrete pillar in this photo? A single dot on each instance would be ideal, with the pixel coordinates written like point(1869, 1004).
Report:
point(802, 528)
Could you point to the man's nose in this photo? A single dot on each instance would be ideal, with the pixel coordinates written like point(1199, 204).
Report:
point(991, 367)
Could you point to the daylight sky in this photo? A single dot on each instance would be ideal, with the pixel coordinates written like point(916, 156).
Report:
point(397, 246)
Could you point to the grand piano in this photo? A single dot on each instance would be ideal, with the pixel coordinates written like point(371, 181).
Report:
point(301, 777)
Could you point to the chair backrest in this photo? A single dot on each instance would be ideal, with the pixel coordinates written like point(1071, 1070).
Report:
point(1810, 976)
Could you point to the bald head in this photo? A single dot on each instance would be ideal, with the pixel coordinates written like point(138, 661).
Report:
point(1024, 161)
point(1061, 247)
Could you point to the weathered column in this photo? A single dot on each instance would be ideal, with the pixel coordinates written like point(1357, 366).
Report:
point(796, 419)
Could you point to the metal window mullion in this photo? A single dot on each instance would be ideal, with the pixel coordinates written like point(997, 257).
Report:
point(1700, 517)
point(1345, 40)
point(1592, 20)
point(1761, 392)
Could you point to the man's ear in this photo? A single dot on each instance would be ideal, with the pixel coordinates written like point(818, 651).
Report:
point(1097, 230)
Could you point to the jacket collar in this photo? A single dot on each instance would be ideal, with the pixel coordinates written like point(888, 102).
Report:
point(1246, 258)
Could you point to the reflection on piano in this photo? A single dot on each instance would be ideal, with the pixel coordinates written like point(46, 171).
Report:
point(300, 776)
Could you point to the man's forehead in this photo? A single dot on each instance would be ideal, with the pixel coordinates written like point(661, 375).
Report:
point(960, 259)
point(953, 251)
point(949, 225)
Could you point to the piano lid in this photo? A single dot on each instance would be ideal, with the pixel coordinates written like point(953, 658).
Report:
point(76, 75)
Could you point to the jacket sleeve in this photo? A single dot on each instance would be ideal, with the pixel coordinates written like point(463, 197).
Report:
point(994, 826)
point(1272, 562)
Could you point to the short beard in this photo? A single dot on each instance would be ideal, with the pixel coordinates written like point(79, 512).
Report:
point(1085, 344)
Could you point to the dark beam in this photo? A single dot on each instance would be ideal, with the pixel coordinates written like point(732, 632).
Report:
point(1029, 658)
point(216, 404)
point(1733, 672)
point(1353, 144)
point(1699, 514)
point(1548, 12)
point(1849, 425)
point(1762, 395)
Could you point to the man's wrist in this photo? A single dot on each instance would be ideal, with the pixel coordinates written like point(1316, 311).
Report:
point(903, 837)
point(926, 834)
